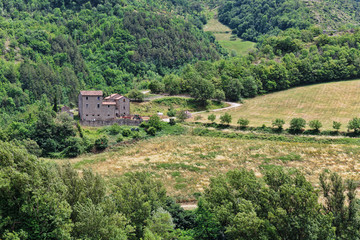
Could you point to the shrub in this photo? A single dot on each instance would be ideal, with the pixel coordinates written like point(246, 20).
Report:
point(155, 122)
point(171, 112)
point(226, 118)
point(74, 148)
point(114, 129)
point(336, 125)
point(315, 125)
point(172, 122)
point(151, 131)
point(279, 123)
point(212, 117)
point(243, 122)
point(354, 124)
point(136, 135)
point(297, 124)
point(119, 139)
point(126, 132)
point(181, 116)
point(198, 117)
point(101, 143)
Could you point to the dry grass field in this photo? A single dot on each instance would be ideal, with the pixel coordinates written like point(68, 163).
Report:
point(328, 102)
point(186, 163)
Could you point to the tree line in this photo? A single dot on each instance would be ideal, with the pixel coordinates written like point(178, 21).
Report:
point(293, 58)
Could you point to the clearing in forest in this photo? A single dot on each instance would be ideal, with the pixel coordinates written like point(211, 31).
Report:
point(328, 102)
point(227, 40)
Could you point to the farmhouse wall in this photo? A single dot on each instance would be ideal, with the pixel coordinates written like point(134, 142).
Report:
point(100, 123)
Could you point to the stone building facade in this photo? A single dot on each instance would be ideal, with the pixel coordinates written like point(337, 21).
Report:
point(93, 107)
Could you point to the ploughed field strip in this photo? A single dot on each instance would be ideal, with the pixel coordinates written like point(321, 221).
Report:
point(186, 163)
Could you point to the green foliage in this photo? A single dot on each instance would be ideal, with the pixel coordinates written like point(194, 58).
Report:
point(202, 89)
point(31, 193)
point(212, 117)
point(137, 195)
point(171, 112)
point(315, 125)
point(279, 123)
point(114, 129)
point(136, 95)
point(340, 201)
point(225, 119)
point(354, 124)
point(297, 124)
point(235, 202)
point(126, 132)
point(181, 116)
point(151, 131)
point(243, 122)
point(336, 125)
point(101, 143)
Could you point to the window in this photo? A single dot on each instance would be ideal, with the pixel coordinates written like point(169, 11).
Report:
point(98, 105)
point(98, 98)
point(108, 106)
point(87, 115)
point(98, 115)
point(108, 115)
point(124, 107)
point(124, 100)
point(93, 115)
point(87, 98)
point(87, 105)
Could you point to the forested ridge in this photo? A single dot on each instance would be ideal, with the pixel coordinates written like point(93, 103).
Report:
point(251, 19)
point(60, 47)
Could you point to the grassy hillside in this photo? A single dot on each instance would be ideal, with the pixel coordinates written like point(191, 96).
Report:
point(328, 102)
point(226, 39)
point(186, 163)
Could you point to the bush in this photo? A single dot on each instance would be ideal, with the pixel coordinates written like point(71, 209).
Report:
point(119, 139)
point(226, 118)
point(181, 116)
point(155, 122)
point(136, 95)
point(171, 112)
point(151, 131)
point(126, 132)
point(336, 125)
point(212, 117)
point(354, 124)
point(74, 148)
point(243, 122)
point(136, 135)
point(101, 143)
point(172, 122)
point(114, 129)
point(315, 125)
point(297, 124)
point(279, 123)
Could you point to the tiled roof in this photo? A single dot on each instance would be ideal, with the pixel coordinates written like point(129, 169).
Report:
point(109, 103)
point(91, 93)
point(114, 96)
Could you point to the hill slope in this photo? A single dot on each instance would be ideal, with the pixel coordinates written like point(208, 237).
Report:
point(250, 19)
point(336, 101)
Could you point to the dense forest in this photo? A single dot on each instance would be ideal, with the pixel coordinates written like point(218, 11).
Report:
point(59, 47)
point(251, 19)
point(40, 200)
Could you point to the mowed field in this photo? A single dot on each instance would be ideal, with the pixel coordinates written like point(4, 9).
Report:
point(186, 163)
point(328, 102)
point(222, 34)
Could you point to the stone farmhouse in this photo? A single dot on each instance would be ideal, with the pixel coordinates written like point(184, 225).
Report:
point(93, 107)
